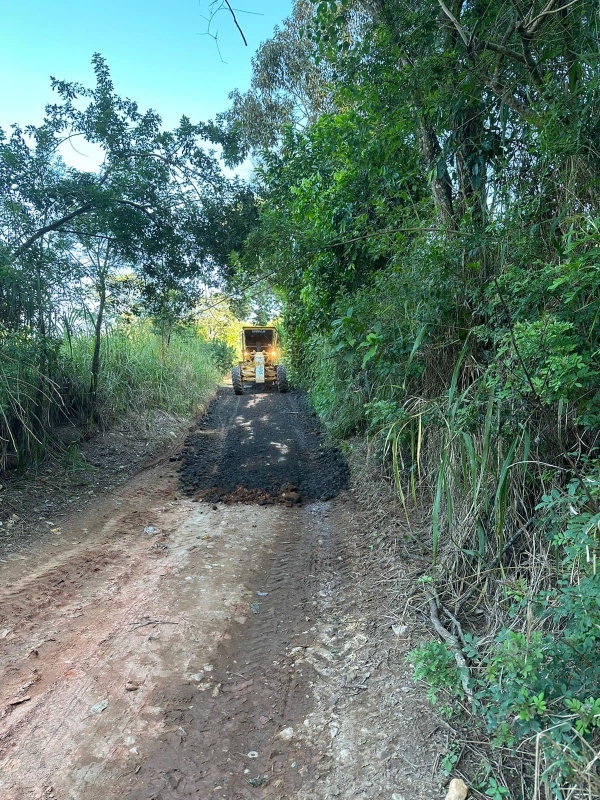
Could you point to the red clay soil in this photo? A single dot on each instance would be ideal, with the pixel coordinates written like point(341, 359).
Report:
point(158, 647)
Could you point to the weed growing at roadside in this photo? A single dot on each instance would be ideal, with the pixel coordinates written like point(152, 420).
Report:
point(74, 460)
point(434, 664)
point(539, 679)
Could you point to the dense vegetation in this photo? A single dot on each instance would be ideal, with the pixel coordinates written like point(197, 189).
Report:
point(426, 211)
point(429, 195)
point(101, 272)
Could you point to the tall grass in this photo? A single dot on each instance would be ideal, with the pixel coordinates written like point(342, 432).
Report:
point(471, 472)
point(507, 478)
point(28, 396)
point(514, 544)
point(138, 373)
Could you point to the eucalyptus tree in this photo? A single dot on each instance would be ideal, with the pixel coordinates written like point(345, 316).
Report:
point(289, 86)
point(496, 91)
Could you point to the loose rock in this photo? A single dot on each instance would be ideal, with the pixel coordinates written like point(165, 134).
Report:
point(458, 790)
point(98, 708)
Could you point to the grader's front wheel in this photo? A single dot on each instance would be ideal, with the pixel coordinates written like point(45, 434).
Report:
point(282, 381)
point(236, 380)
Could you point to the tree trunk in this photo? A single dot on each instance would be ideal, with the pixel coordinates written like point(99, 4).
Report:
point(441, 185)
point(95, 371)
point(40, 403)
point(382, 12)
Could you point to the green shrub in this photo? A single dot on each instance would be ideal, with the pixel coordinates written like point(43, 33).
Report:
point(542, 677)
point(434, 664)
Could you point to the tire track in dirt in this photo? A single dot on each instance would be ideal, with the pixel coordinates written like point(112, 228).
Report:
point(239, 733)
point(259, 687)
point(231, 620)
point(93, 644)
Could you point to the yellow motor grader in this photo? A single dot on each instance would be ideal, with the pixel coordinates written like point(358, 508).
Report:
point(260, 357)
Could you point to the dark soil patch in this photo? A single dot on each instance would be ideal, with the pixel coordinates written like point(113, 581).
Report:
point(261, 447)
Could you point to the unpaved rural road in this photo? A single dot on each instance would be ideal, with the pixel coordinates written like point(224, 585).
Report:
point(172, 643)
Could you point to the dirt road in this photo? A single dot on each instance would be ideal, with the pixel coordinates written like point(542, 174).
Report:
point(170, 643)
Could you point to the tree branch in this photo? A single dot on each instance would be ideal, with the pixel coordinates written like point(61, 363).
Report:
point(138, 206)
point(237, 24)
point(512, 102)
point(530, 62)
point(453, 643)
point(456, 23)
point(535, 23)
point(472, 46)
point(504, 51)
point(53, 226)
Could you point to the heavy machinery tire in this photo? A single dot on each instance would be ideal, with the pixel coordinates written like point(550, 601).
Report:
point(236, 380)
point(282, 381)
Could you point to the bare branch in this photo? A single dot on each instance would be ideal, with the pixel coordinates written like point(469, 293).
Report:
point(58, 223)
point(453, 643)
point(535, 23)
point(456, 23)
point(505, 40)
point(138, 207)
point(53, 226)
point(471, 43)
point(530, 62)
point(237, 24)
point(504, 51)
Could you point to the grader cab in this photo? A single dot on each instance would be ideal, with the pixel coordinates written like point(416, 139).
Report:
point(260, 360)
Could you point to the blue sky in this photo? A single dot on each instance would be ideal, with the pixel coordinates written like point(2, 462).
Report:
point(155, 50)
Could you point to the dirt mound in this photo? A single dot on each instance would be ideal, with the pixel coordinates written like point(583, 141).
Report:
point(261, 447)
point(288, 496)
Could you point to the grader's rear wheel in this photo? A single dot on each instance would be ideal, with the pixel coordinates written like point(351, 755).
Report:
point(236, 380)
point(282, 381)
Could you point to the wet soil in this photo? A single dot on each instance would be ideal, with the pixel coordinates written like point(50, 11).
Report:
point(154, 647)
point(264, 447)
